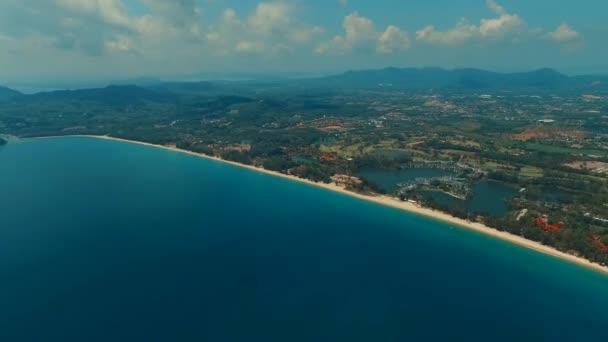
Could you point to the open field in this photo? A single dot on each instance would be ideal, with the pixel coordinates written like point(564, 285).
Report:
point(548, 133)
point(546, 148)
point(532, 172)
point(594, 166)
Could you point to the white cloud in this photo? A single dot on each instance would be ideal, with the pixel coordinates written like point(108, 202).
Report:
point(359, 32)
point(121, 44)
point(305, 34)
point(496, 8)
point(360, 35)
point(502, 26)
point(98, 27)
point(249, 47)
point(462, 32)
point(108, 11)
point(184, 12)
point(270, 17)
point(92, 27)
point(393, 39)
point(271, 29)
point(102, 36)
point(564, 33)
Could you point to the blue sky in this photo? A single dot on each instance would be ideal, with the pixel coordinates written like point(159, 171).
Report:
point(113, 39)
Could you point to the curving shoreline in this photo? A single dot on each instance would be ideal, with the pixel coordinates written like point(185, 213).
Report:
point(386, 201)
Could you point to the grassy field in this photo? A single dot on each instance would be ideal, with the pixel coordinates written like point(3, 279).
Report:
point(466, 143)
point(458, 152)
point(386, 148)
point(494, 166)
point(531, 172)
point(350, 151)
point(561, 150)
point(468, 126)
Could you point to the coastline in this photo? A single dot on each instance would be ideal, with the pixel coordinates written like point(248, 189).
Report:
point(385, 201)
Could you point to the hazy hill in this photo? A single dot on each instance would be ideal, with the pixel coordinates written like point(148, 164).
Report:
point(7, 93)
point(188, 88)
point(388, 79)
point(111, 95)
point(463, 79)
point(217, 88)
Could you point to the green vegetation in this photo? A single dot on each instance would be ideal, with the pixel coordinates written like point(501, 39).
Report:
point(531, 172)
point(327, 132)
point(556, 149)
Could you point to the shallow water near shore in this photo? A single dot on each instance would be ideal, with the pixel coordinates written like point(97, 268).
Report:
point(107, 241)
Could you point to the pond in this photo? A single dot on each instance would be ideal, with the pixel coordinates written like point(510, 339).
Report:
point(388, 180)
point(489, 197)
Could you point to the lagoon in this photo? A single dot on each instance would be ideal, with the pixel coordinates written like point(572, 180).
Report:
point(388, 180)
point(488, 197)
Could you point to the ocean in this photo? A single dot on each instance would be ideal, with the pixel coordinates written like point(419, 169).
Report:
point(110, 241)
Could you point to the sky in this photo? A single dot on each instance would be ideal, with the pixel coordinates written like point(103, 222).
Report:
point(46, 40)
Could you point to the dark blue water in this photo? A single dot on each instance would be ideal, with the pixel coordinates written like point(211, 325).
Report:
point(106, 241)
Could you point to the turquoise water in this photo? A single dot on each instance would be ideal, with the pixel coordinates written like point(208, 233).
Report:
point(107, 241)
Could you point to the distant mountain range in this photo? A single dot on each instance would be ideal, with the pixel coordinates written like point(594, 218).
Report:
point(128, 94)
point(7, 93)
point(110, 95)
point(388, 79)
point(459, 79)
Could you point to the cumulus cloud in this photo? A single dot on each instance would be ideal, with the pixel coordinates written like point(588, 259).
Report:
point(111, 11)
point(270, 18)
point(393, 39)
point(496, 8)
point(504, 23)
point(98, 27)
point(305, 34)
point(502, 26)
point(563, 34)
point(93, 27)
point(178, 12)
point(249, 47)
point(121, 44)
point(182, 35)
point(360, 35)
point(272, 29)
point(462, 32)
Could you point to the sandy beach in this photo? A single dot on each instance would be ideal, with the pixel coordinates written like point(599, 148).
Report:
point(393, 203)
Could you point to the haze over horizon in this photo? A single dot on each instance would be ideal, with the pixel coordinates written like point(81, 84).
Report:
point(104, 40)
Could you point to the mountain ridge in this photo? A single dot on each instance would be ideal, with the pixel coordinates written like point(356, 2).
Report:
point(464, 79)
point(112, 94)
point(385, 79)
point(8, 93)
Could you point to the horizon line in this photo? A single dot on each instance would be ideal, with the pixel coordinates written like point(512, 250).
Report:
point(244, 76)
